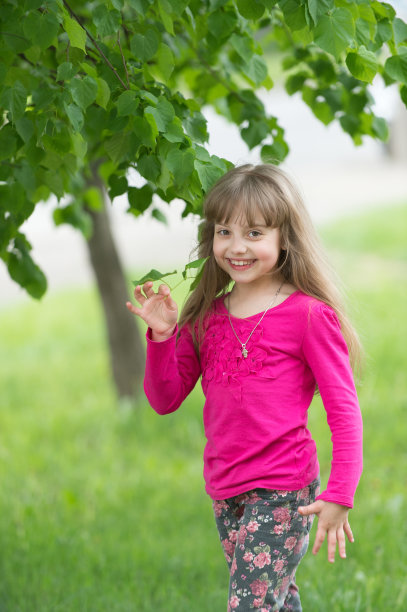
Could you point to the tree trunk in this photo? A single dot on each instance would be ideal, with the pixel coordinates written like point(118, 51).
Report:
point(127, 356)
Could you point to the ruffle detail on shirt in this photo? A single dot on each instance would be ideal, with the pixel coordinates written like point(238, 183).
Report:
point(221, 353)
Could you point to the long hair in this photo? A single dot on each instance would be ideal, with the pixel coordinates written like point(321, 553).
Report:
point(267, 190)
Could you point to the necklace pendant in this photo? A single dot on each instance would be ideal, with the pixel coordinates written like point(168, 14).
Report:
point(244, 351)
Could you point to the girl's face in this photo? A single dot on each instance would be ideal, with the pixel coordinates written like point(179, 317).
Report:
point(249, 254)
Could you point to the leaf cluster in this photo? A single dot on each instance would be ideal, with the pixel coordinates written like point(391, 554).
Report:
point(111, 86)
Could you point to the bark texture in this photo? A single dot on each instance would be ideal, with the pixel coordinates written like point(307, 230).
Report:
point(127, 355)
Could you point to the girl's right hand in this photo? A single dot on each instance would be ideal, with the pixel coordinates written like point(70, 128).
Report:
point(158, 310)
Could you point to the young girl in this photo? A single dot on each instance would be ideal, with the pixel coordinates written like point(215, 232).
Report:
point(261, 349)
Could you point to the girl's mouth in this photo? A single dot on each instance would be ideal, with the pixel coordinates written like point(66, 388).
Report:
point(241, 264)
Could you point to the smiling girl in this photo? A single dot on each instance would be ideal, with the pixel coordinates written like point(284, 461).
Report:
point(263, 329)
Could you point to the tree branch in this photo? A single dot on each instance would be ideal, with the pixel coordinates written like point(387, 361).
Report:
point(89, 35)
point(124, 61)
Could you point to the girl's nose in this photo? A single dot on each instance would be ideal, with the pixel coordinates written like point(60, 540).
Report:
point(238, 245)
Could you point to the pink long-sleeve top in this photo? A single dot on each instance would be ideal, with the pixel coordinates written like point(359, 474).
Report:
point(255, 412)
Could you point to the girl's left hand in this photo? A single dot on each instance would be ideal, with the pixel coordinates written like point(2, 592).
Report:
point(333, 523)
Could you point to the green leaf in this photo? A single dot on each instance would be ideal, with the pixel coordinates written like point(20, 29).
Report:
point(117, 146)
point(318, 8)
point(139, 198)
point(141, 6)
point(384, 32)
point(76, 34)
point(383, 9)
point(145, 46)
point(250, 9)
point(41, 28)
point(364, 32)
point(159, 216)
point(243, 45)
point(256, 70)
point(153, 275)
point(208, 174)
point(165, 61)
point(149, 167)
point(83, 91)
point(254, 133)
point(294, 14)
point(362, 64)
point(163, 114)
point(396, 67)
point(93, 198)
point(274, 153)
point(380, 128)
point(24, 271)
point(144, 132)
point(106, 22)
point(174, 131)
point(118, 185)
point(127, 103)
point(74, 215)
point(103, 94)
point(164, 9)
point(53, 180)
point(400, 31)
point(178, 6)
point(26, 177)
point(403, 94)
point(75, 116)
point(181, 164)
point(335, 32)
point(25, 128)
point(8, 142)
point(66, 71)
point(198, 265)
point(196, 127)
point(80, 145)
point(14, 99)
point(221, 24)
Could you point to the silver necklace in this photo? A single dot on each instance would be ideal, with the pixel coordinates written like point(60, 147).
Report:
point(244, 344)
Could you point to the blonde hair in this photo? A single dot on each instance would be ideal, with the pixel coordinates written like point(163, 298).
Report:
point(266, 189)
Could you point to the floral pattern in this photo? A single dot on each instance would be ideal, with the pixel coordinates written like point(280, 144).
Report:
point(264, 539)
point(221, 354)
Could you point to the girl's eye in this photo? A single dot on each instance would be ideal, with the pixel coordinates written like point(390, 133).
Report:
point(254, 233)
point(223, 232)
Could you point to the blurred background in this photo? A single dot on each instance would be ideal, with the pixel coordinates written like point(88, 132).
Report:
point(102, 504)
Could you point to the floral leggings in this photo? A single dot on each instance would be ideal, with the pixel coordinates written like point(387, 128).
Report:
point(264, 539)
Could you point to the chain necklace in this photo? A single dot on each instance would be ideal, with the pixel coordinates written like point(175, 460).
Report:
point(244, 344)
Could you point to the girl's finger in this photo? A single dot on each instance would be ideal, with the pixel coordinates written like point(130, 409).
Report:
point(148, 289)
point(163, 290)
point(139, 295)
point(319, 540)
point(340, 536)
point(331, 545)
point(348, 532)
point(133, 308)
point(311, 509)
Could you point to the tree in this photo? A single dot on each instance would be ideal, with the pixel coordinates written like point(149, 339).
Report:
point(90, 90)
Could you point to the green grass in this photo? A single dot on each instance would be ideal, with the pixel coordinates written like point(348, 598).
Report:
point(102, 506)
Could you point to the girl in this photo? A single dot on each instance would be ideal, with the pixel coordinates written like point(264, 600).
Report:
point(262, 349)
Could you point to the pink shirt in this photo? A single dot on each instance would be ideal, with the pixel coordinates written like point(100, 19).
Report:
point(255, 412)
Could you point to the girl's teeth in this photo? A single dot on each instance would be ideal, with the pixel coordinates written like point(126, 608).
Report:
point(240, 263)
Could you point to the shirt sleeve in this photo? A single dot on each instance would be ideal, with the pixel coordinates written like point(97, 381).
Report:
point(172, 370)
point(326, 353)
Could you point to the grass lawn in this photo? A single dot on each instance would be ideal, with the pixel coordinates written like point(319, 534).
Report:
point(103, 507)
